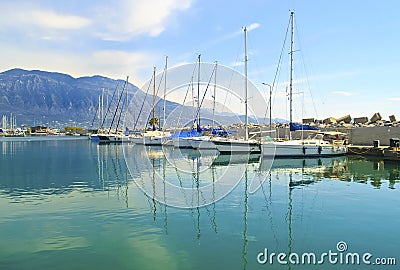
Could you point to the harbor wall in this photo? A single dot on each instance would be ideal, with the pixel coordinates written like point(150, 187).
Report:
point(357, 135)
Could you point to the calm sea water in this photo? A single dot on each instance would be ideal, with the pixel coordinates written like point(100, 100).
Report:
point(67, 203)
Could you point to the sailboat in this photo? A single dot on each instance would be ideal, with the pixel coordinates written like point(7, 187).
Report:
point(182, 139)
point(318, 144)
point(241, 145)
point(103, 136)
point(154, 136)
point(204, 141)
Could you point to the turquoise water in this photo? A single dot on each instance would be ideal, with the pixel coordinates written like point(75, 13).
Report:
point(66, 203)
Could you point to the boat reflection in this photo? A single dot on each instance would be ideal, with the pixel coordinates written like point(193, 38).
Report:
point(35, 171)
point(94, 173)
point(204, 217)
point(345, 168)
point(187, 172)
point(371, 170)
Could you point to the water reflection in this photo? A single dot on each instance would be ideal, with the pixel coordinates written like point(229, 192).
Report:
point(187, 168)
point(346, 168)
point(372, 170)
point(32, 170)
point(301, 201)
point(111, 171)
point(191, 178)
point(36, 169)
point(246, 208)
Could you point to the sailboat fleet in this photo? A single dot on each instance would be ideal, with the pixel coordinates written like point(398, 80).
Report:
point(317, 145)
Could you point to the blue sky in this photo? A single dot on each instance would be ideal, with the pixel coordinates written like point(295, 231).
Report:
point(347, 50)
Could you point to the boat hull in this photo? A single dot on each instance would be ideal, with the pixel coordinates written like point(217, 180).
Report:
point(108, 138)
point(148, 140)
point(182, 143)
point(301, 150)
point(201, 143)
point(236, 146)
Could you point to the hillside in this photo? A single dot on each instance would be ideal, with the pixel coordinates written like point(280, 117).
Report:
point(55, 99)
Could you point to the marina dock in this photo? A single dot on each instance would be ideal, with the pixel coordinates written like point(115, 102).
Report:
point(367, 150)
point(391, 152)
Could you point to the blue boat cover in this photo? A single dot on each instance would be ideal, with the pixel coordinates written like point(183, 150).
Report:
point(294, 127)
point(196, 133)
point(221, 131)
point(186, 134)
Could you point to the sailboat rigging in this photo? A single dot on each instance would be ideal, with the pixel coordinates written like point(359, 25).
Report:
point(155, 136)
point(320, 144)
point(245, 145)
point(103, 136)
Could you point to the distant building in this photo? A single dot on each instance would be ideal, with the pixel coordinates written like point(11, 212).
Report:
point(39, 131)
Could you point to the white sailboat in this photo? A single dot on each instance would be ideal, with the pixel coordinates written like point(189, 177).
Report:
point(154, 136)
point(317, 145)
point(204, 142)
point(117, 136)
point(241, 145)
point(182, 139)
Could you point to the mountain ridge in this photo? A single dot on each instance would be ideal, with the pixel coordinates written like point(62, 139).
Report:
point(54, 99)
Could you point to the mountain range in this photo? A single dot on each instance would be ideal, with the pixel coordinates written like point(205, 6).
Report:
point(54, 99)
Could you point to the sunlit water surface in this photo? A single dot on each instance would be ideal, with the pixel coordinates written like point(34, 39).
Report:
point(72, 204)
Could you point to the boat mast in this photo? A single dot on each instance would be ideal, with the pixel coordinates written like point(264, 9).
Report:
point(126, 102)
point(154, 99)
point(101, 106)
point(246, 128)
point(215, 91)
point(198, 95)
point(165, 90)
point(291, 69)
point(98, 114)
point(193, 104)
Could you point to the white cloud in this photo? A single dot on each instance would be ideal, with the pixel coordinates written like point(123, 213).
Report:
point(117, 20)
point(13, 16)
point(52, 20)
point(120, 63)
point(249, 28)
point(57, 37)
point(394, 99)
point(253, 26)
point(128, 19)
point(110, 63)
point(36, 23)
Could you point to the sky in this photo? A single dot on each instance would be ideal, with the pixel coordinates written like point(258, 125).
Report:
point(345, 52)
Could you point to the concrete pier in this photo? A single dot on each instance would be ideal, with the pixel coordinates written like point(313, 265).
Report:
point(392, 154)
point(385, 152)
point(357, 135)
point(367, 150)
